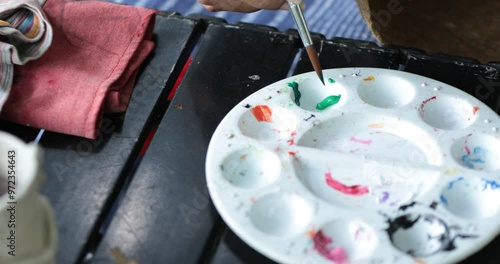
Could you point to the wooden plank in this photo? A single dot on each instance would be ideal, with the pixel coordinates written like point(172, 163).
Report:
point(167, 215)
point(84, 176)
point(341, 53)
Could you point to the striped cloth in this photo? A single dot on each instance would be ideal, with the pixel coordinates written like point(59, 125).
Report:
point(332, 18)
point(25, 35)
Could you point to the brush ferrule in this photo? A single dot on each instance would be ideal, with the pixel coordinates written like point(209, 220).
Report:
point(298, 16)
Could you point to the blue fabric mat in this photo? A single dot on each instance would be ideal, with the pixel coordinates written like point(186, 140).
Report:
point(332, 18)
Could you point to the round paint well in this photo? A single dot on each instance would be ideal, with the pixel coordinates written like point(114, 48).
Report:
point(251, 168)
point(281, 214)
point(311, 92)
point(345, 241)
point(375, 136)
point(474, 198)
point(265, 123)
point(386, 91)
point(477, 152)
point(419, 235)
point(447, 112)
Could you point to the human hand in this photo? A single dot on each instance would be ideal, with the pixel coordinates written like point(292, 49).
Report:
point(245, 6)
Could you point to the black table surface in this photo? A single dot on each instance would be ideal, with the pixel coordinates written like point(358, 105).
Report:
point(140, 187)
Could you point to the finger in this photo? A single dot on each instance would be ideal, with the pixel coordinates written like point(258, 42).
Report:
point(211, 8)
point(285, 6)
point(265, 4)
point(225, 5)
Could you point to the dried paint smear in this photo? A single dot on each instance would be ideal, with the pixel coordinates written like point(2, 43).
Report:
point(422, 106)
point(355, 190)
point(475, 159)
point(262, 113)
point(322, 246)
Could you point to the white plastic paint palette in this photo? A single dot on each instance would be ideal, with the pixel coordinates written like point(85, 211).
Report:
point(402, 169)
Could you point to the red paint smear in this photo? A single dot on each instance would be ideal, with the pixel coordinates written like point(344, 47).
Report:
point(291, 153)
point(262, 113)
point(179, 79)
point(294, 133)
point(476, 108)
point(425, 102)
point(365, 142)
point(355, 190)
point(291, 142)
point(467, 150)
point(335, 254)
point(466, 143)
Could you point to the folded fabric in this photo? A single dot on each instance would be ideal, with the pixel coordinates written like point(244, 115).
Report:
point(25, 35)
point(89, 69)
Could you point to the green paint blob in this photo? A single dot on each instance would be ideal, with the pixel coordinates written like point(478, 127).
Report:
point(330, 80)
point(296, 92)
point(327, 102)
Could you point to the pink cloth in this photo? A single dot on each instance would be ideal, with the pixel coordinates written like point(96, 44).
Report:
point(89, 69)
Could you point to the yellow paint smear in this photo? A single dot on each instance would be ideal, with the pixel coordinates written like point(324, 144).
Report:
point(376, 125)
point(451, 171)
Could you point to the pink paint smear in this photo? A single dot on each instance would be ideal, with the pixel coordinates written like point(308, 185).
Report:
point(355, 190)
point(335, 254)
point(361, 141)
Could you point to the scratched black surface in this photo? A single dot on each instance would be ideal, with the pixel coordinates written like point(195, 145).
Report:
point(479, 80)
point(167, 215)
point(350, 53)
point(341, 53)
point(83, 175)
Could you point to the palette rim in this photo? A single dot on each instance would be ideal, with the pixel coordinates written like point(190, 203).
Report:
point(377, 166)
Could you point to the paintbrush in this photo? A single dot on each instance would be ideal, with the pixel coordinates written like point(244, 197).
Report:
point(298, 16)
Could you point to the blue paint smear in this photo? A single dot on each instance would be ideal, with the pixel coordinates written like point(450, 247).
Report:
point(443, 200)
point(492, 184)
point(450, 185)
point(477, 156)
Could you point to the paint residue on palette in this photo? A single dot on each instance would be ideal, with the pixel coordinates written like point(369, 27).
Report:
point(429, 235)
point(443, 199)
point(262, 113)
point(376, 126)
point(369, 79)
point(475, 109)
point(452, 183)
point(385, 197)
point(492, 184)
point(330, 80)
point(328, 101)
point(296, 92)
point(474, 158)
point(422, 106)
point(360, 141)
point(355, 190)
point(322, 246)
